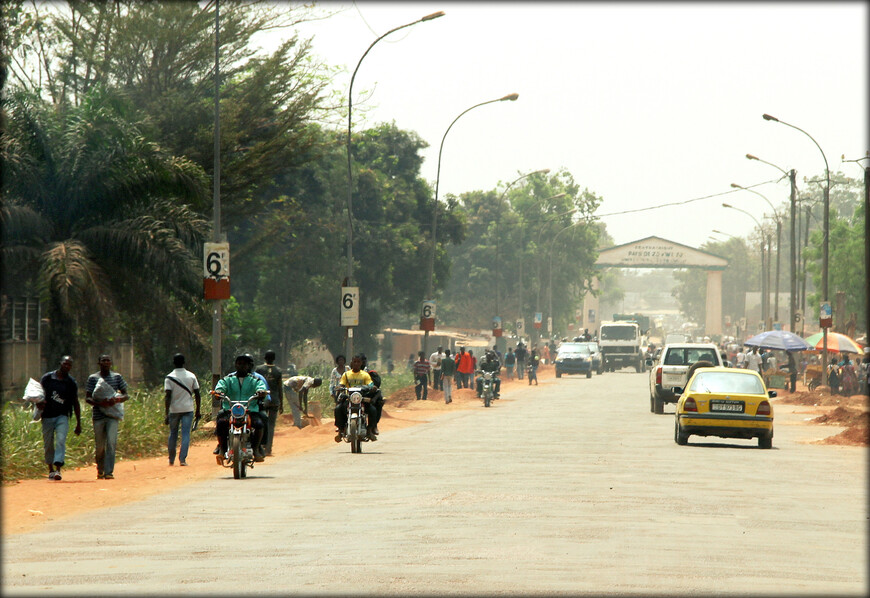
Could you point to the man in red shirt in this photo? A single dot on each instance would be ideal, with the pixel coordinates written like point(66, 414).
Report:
point(465, 368)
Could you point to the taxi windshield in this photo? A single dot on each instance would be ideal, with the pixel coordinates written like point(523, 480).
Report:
point(727, 382)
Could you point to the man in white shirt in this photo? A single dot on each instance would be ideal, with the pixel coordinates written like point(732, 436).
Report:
point(182, 395)
point(435, 361)
point(741, 358)
point(753, 360)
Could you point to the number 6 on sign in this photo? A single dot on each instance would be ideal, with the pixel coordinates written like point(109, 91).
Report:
point(350, 306)
point(216, 270)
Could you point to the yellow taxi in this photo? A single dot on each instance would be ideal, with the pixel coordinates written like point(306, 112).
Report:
point(725, 402)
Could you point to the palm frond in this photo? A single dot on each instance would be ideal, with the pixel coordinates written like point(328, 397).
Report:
point(75, 282)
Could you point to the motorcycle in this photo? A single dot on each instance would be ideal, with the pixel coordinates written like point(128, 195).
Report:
point(356, 431)
point(240, 454)
point(487, 387)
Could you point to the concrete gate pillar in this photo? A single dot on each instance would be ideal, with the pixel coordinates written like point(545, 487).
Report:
point(713, 324)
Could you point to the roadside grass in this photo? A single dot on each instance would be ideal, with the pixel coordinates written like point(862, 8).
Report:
point(141, 433)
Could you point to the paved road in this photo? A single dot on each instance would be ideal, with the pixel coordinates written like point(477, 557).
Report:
point(571, 487)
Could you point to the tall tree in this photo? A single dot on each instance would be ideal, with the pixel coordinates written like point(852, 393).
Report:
point(91, 213)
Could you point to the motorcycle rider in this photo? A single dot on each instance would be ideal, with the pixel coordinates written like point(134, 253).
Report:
point(489, 363)
point(377, 396)
point(238, 386)
point(356, 376)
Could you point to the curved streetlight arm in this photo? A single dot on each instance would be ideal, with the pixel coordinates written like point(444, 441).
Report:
point(754, 219)
point(429, 17)
point(429, 283)
point(825, 158)
point(756, 158)
point(775, 213)
point(350, 108)
point(511, 97)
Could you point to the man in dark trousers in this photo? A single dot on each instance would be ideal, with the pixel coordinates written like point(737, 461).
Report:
point(274, 378)
point(521, 354)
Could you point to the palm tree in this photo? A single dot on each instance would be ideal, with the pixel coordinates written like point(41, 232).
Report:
point(99, 220)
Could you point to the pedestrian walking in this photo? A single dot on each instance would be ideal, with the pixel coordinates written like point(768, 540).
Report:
point(106, 392)
point(510, 360)
point(335, 377)
point(435, 361)
point(464, 368)
point(534, 362)
point(421, 377)
point(448, 370)
point(753, 361)
point(521, 355)
point(61, 400)
point(275, 380)
point(182, 403)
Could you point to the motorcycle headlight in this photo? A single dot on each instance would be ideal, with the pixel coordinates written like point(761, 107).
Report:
point(238, 410)
point(487, 376)
point(355, 398)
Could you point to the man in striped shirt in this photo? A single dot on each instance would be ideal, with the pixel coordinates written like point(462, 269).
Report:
point(421, 376)
point(107, 416)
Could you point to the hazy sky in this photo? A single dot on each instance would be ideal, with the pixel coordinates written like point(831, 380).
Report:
point(645, 104)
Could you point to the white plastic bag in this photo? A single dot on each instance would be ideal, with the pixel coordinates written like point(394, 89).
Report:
point(104, 390)
point(34, 392)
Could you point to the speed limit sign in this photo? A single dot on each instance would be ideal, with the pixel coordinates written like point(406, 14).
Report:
point(427, 315)
point(216, 270)
point(350, 306)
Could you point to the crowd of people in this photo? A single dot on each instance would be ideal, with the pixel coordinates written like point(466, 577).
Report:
point(106, 393)
point(844, 376)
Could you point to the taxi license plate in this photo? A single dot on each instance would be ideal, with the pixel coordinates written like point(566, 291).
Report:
point(730, 406)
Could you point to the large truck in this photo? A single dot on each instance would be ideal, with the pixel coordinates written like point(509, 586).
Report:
point(622, 344)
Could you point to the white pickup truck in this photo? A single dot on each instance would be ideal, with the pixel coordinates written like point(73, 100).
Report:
point(672, 370)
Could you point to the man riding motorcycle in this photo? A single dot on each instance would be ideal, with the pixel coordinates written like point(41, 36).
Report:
point(489, 363)
point(356, 376)
point(239, 386)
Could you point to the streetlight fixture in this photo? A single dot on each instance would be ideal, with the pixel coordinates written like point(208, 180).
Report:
point(778, 221)
point(434, 15)
point(825, 235)
point(866, 170)
point(792, 307)
point(522, 248)
point(719, 232)
point(429, 282)
point(497, 237)
point(761, 273)
point(550, 259)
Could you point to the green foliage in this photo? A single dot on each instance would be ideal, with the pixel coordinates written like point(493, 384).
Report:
point(141, 434)
point(740, 276)
point(523, 224)
point(91, 212)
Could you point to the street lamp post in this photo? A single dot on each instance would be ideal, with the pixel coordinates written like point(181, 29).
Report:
point(497, 223)
point(761, 274)
point(866, 242)
point(429, 278)
point(434, 15)
point(778, 221)
point(522, 249)
point(825, 237)
point(550, 266)
point(791, 174)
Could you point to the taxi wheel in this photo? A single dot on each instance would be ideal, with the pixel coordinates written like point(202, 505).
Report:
point(680, 437)
point(766, 441)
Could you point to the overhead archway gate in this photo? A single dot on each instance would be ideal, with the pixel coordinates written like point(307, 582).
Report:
point(655, 252)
